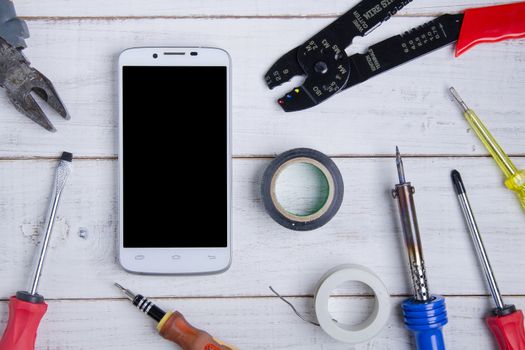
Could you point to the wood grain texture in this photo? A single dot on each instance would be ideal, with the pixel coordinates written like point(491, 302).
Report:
point(210, 8)
point(410, 103)
point(76, 44)
point(365, 231)
point(251, 323)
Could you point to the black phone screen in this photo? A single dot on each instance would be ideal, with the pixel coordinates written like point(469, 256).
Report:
point(175, 162)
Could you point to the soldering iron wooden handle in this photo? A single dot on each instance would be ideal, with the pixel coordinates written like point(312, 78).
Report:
point(174, 327)
point(24, 318)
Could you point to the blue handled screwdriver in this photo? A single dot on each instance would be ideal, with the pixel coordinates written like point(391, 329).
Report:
point(424, 314)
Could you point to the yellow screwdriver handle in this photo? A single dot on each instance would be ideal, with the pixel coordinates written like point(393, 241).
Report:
point(516, 183)
point(515, 179)
point(491, 144)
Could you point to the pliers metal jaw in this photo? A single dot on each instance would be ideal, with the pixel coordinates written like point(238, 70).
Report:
point(324, 65)
point(16, 74)
point(20, 80)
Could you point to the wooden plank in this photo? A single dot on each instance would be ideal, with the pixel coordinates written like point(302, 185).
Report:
point(365, 231)
point(211, 8)
point(410, 103)
point(261, 323)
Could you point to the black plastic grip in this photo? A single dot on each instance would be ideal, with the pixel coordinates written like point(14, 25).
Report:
point(400, 49)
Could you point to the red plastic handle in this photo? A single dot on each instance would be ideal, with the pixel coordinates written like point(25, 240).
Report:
point(491, 24)
point(24, 318)
point(508, 330)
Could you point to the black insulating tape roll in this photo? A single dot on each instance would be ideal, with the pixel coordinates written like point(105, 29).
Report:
point(328, 209)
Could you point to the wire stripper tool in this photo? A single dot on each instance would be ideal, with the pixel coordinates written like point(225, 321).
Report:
point(327, 68)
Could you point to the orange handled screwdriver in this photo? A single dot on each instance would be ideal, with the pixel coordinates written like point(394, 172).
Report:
point(505, 323)
point(173, 326)
point(27, 308)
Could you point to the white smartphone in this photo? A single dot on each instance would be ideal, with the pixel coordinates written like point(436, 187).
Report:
point(175, 160)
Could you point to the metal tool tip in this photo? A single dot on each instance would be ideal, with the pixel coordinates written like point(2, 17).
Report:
point(68, 157)
point(119, 286)
point(400, 168)
point(126, 291)
point(458, 182)
point(458, 98)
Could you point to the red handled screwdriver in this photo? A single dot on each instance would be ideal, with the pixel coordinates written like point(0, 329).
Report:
point(27, 308)
point(505, 323)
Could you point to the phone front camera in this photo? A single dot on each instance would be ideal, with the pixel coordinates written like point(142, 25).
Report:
point(155, 55)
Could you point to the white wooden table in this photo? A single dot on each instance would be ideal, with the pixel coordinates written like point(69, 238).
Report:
point(76, 43)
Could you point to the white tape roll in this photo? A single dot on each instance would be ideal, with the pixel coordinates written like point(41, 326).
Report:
point(352, 333)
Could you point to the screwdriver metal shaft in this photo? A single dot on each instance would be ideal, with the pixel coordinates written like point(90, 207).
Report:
point(505, 322)
point(27, 307)
point(63, 171)
point(129, 294)
point(476, 238)
point(143, 304)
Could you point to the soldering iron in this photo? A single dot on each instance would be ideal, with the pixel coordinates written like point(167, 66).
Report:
point(424, 314)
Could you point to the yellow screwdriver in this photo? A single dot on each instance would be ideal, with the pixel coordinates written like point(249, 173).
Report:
point(515, 179)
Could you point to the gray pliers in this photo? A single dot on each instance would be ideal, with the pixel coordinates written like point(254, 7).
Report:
point(17, 76)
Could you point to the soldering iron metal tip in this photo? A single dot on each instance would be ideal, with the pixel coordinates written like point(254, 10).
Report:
point(400, 169)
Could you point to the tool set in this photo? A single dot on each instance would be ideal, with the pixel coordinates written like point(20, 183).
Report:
point(424, 314)
point(174, 327)
point(327, 68)
point(514, 178)
point(18, 77)
point(27, 308)
point(506, 323)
